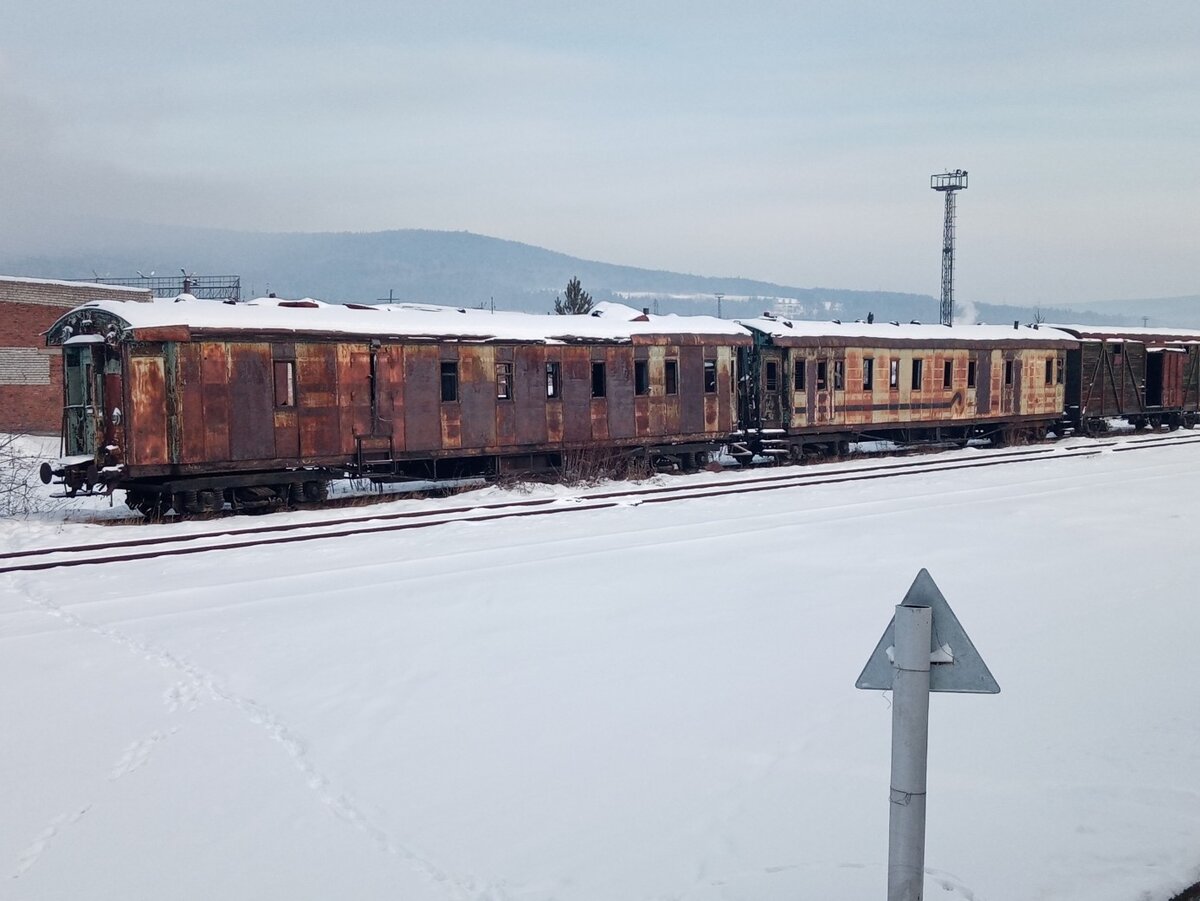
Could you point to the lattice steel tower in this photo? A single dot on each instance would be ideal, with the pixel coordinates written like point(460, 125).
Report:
point(948, 183)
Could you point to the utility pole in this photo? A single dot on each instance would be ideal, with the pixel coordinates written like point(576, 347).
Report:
point(948, 183)
point(720, 297)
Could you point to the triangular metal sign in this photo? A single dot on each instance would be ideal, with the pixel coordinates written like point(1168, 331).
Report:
point(955, 665)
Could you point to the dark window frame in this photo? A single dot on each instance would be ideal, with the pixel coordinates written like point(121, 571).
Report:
point(839, 375)
point(641, 378)
point(1049, 371)
point(771, 375)
point(599, 379)
point(894, 374)
point(948, 374)
point(449, 381)
point(822, 374)
point(918, 373)
point(504, 381)
point(868, 373)
point(670, 377)
point(553, 380)
point(710, 376)
point(799, 375)
point(285, 378)
point(971, 373)
point(1008, 372)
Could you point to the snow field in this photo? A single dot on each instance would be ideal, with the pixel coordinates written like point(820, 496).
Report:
point(646, 702)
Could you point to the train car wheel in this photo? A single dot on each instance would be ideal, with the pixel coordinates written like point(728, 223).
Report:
point(316, 491)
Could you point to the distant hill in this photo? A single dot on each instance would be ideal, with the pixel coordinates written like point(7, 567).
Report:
point(464, 269)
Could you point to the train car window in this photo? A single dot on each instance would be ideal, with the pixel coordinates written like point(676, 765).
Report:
point(822, 374)
point(1049, 372)
point(641, 377)
point(798, 377)
point(504, 381)
point(285, 383)
point(672, 376)
point(599, 382)
point(554, 380)
point(918, 367)
point(449, 381)
point(971, 374)
point(710, 376)
point(1058, 370)
point(868, 373)
point(894, 374)
point(1116, 349)
point(1008, 372)
point(839, 375)
point(772, 375)
point(947, 374)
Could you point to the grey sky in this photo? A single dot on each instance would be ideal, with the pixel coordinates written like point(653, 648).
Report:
point(783, 141)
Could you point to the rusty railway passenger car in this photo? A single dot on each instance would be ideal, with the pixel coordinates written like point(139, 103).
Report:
point(815, 387)
point(191, 404)
point(1149, 377)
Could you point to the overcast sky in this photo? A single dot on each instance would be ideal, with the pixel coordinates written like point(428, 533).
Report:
point(790, 142)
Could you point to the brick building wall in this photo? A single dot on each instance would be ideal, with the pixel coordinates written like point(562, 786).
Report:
point(30, 372)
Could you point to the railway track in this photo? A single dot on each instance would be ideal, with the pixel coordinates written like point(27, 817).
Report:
point(99, 553)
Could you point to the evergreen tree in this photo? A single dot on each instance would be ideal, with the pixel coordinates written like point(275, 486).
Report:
point(578, 301)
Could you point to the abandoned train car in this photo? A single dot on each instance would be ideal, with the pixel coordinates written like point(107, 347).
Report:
point(190, 404)
point(1148, 377)
point(820, 385)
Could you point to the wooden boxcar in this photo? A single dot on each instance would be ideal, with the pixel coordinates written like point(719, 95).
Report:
point(190, 404)
point(1145, 376)
point(820, 385)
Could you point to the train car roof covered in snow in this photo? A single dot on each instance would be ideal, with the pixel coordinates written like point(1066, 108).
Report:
point(1131, 333)
point(179, 318)
point(806, 332)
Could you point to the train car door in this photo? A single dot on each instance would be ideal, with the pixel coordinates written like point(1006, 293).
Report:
point(773, 401)
point(81, 388)
point(1164, 377)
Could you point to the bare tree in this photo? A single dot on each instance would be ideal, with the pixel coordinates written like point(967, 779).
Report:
point(578, 301)
point(18, 491)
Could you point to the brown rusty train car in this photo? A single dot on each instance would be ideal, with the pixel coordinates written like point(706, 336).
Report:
point(1149, 377)
point(190, 404)
point(818, 386)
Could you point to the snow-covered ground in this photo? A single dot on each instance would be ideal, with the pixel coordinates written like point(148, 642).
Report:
point(646, 702)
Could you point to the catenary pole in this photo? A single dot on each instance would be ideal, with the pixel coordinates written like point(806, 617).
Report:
point(910, 752)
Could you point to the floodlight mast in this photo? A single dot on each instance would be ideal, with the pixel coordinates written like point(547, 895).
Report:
point(948, 183)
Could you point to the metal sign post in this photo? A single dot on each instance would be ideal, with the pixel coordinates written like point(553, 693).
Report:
point(923, 649)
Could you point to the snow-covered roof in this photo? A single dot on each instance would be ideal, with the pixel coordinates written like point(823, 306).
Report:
point(1132, 333)
point(806, 331)
point(608, 322)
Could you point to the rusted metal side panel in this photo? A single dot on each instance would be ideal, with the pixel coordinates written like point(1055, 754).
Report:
point(287, 418)
point(354, 395)
point(691, 390)
point(317, 398)
point(390, 373)
point(422, 398)
point(1173, 379)
point(727, 397)
point(983, 383)
point(798, 416)
point(477, 398)
point(555, 421)
point(251, 420)
point(189, 394)
point(148, 396)
point(529, 406)
point(577, 394)
point(656, 361)
point(214, 378)
point(1133, 381)
point(621, 414)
